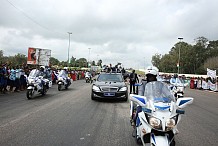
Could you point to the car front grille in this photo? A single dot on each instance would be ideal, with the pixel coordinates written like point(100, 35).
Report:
point(109, 89)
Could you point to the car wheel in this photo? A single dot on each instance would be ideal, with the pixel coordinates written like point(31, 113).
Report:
point(92, 96)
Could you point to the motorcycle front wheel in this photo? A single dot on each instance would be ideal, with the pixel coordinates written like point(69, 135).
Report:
point(137, 139)
point(29, 94)
point(44, 90)
point(59, 87)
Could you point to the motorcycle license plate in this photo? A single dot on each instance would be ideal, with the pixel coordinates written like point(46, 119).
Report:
point(109, 94)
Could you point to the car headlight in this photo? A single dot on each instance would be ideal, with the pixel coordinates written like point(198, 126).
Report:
point(123, 89)
point(155, 123)
point(95, 88)
point(171, 123)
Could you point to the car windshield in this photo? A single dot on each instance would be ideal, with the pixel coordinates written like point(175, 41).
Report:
point(110, 77)
point(34, 73)
point(158, 92)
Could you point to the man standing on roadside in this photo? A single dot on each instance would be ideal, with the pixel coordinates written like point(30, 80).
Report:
point(17, 80)
point(133, 79)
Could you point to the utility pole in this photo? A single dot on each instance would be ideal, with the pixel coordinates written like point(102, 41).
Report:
point(178, 65)
point(68, 64)
point(89, 56)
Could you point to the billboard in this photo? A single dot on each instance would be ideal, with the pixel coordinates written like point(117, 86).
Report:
point(38, 56)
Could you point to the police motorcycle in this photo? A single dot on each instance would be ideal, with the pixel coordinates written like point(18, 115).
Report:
point(177, 87)
point(36, 83)
point(157, 116)
point(88, 77)
point(63, 81)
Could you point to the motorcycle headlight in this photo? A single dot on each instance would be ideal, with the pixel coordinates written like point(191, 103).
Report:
point(30, 81)
point(60, 78)
point(171, 123)
point(96, 88)
point(123, 89)
point(154, 122)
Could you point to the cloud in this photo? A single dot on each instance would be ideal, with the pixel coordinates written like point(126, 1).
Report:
point(116, 31)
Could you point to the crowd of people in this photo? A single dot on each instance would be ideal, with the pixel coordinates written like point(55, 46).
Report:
point(14, 78)
point(204, 83)
point(201, 83)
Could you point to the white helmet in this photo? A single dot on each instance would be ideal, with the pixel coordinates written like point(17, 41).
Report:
point(42, 68)
point(151, 70)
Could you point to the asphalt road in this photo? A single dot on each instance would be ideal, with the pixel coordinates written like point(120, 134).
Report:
point(71, 118)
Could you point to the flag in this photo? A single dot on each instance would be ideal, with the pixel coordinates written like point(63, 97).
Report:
point(211, 73)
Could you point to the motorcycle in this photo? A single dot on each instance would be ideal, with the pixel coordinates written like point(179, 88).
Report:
point(63, 81)
point(88, 78)
point(157, 116)
point(178, 91)
point(36, 83)
point(178, 88)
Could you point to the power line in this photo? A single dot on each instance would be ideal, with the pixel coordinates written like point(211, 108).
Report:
point(27, 16)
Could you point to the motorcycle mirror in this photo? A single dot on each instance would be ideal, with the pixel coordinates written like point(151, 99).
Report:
point(140, 100)
point(183, 102)
point(146, 110)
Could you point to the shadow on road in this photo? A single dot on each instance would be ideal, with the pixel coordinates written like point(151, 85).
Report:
point(110, 100)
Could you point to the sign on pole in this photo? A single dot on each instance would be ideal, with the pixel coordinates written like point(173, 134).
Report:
point(38, 56)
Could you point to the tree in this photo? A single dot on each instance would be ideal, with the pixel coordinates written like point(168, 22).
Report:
point(1, 53)
point(73, 62)
point(82, 62)
point(99, 63)
point(166, 64)
point(211, 63)
point(156, 59)
point(192, 58)
point(212, 49)
point(18, 59)
point(93, 63)
point(199, 55)
point(1, 56)
point(54, 61)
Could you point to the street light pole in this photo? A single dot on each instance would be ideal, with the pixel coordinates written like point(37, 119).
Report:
point(89, 56)
point(179, 53)
point(144, 63)
point(97, 58)
point(68, 64)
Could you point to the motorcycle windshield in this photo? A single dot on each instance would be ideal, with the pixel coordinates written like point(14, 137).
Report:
point(34, 73)
point(158, 92)
point(62, 73)
point(178, 82)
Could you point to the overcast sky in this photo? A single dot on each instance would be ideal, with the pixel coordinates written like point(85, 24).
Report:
point(126, 31)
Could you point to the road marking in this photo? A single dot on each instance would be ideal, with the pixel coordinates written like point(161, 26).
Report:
point(82, 138)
